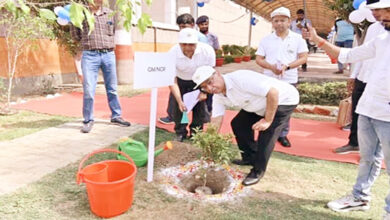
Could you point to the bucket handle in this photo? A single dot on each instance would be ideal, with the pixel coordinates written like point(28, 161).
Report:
point(79, 173)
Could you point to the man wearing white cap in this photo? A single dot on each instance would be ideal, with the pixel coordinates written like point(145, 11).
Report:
point(281, 53)
point(189, 54)
point(266, 106)
point(373, 109)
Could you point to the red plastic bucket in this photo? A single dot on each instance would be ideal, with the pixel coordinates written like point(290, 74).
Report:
point(115, 195)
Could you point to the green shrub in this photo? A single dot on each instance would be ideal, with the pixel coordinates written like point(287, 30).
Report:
point(329, 93)
point(228, 59)
point(215, 147)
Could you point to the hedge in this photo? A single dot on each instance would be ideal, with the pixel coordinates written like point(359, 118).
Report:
point(328, 93)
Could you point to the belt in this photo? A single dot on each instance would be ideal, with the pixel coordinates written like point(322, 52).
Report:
point(103, 50)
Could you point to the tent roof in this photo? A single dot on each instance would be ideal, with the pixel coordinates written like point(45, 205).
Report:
point(321, 16)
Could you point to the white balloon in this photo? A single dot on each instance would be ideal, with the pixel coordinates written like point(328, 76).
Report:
point(363, 5)
point(206, 1)
point(62, 21)
point(57, 9)
point(356, 16)
point(199, 1)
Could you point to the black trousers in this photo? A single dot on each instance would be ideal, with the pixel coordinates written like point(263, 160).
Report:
point(258, 153)
point(199, 113)
point(357, 92)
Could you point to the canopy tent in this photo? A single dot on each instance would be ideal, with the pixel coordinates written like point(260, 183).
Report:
point(321, 16)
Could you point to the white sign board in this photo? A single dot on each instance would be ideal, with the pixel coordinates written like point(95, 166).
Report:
point(153, 70)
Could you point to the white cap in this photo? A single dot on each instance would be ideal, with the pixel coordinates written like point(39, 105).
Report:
point(188, 36)
point(281, 11)
point(379, 4)
point(201, 74)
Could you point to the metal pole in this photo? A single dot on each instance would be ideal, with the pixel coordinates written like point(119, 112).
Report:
point(195, 8)
point(250, 29)
point(304, 7)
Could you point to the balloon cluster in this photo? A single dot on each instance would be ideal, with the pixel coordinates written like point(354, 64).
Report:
point(254, 21)
point(201, 3)
point(63, 14)
point(361, 12)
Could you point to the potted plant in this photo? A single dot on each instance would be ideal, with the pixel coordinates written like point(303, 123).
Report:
point(219, 58)
point(253, 53)
point(246, 55)
point(236, 53)
point(226, 49)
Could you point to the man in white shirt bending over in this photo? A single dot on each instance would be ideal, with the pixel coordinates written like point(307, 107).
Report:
point(266, 106)
point(373, 109)
point(280, 54)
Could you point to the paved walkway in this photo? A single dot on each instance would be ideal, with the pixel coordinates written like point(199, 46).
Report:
point(27, 159)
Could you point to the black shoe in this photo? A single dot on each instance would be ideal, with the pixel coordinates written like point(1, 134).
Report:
point(241, 162)
point(252, 178)
point(284, 141)
point(180, 137)
point(166, 120)
point(120, 121)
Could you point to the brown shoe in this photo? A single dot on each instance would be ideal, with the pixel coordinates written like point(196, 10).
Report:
point(339, 72)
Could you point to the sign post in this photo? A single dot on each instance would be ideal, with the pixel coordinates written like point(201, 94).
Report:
point(153, 70)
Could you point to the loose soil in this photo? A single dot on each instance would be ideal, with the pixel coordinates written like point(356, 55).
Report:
point(180, 154)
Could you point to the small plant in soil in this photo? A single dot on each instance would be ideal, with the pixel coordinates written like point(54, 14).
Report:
point(217, 149)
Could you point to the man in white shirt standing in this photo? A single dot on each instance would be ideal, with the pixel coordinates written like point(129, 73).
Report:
point(280, 54)
point(358, 75)
point(266, 106)
point(373, 109)
point(189, 55)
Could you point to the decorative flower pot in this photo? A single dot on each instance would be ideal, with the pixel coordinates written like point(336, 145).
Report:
point(237, 59)
point(219, 61)
point(246, 58)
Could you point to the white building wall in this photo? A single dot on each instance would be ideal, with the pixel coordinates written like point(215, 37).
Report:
point(228, 21)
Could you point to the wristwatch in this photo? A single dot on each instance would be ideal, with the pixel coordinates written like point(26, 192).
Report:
point(288, 67)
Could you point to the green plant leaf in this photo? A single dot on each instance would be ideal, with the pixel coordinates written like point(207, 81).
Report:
point(47, 14)
point(76, 15)
point(144, 22)
point(24, 7)
point(149, 2)
point(10, 6)
point(90, 19)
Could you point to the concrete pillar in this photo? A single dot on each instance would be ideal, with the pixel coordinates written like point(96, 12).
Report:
point(124, 56)
point(123, 47)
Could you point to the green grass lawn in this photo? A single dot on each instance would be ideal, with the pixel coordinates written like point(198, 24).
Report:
point(293, 188)
point(26, 122)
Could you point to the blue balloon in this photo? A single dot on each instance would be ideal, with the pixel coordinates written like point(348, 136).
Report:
point(356, 3)
point(253, 21)
point(64, 14)
point(200, 4)
point(67, 7)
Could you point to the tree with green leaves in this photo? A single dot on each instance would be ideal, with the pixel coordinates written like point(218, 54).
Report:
point(28, 20)
point(21, 29)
